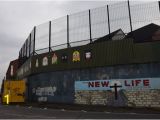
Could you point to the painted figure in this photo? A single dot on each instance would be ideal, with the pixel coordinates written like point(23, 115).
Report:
point(54, 59)
point(76, 56)
point(45, 61)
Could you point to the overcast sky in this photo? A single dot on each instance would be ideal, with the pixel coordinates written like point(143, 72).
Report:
point(17, 18)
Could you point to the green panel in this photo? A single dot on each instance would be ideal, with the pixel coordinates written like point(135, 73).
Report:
point(106, 53)
point(146, 52)
point(114, 52)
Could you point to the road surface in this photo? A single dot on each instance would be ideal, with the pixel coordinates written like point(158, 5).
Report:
point(25, 112)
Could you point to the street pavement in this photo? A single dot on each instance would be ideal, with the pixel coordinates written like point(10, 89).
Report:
point(29, 112)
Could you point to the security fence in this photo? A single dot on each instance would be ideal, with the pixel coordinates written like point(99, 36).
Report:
point(87, 26)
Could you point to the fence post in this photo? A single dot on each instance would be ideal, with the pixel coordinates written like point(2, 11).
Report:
point(30, 45)
point(23, 50)
point(26, 48)
point(19, 55)
point(49, 36)
point(109, 29)
point(159, 5)
point(68, 45)
point(130, 20)
point(34, 40)
point(90, 27)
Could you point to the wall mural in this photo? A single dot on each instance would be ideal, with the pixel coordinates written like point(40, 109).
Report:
point(76, 56)
point(37, 63)
point(64, 57)
point(42, 92)
point(11, 73)
point(122, 85)
point(54, 59)
point(88, 55)
point(118, 92)
point(45, 61)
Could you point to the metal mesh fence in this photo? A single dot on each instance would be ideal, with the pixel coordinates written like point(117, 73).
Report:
point(143, 14)
point(84, 27)
point(79, 26)
point(42, 36)
point(58, 32)
point(99, 22)
point(119, 17)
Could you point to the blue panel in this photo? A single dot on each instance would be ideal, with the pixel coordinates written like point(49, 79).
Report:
point(52, 87)
point(127, 84)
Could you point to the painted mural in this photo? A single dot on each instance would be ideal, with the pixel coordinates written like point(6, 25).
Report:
point(43, 91)
point(76, 56)
point(54, 59)
point(88, 55)
point(45, 61)
point(57, 87)
point(123, 85)
point(118, 92)
point(15, 90)
point(37, 63)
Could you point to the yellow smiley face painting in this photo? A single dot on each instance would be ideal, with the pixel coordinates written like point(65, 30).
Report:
point(76, 56)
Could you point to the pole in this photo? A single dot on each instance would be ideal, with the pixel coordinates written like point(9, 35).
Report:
point(159, 5)
point(90, 29)
point(109, 29)
point(130, 20)
point(26, 48)
point(68, 45)
point(49, 36)
point(30, 45)
point(34, 40)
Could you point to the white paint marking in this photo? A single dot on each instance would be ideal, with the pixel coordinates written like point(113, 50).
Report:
point(83, 111)
point(30, 107)
point(132, 113)
point(107, 112)
point(63, 110)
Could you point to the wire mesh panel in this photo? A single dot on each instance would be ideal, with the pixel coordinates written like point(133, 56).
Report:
point(58, 47)
point(79, 26)
point(58, 32)
point(143, 14)
point(119, 17)
point(79, 43)
point(40, 51)
point(42, 36)
point(99, 22)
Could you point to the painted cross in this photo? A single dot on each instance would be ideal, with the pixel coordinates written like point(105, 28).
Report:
point(115, 86)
